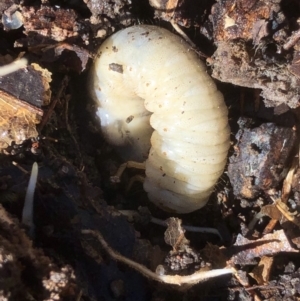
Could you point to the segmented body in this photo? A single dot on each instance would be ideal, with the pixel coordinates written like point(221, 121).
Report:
point(145, 75)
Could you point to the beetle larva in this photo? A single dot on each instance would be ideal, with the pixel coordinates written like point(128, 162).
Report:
point(145, 73)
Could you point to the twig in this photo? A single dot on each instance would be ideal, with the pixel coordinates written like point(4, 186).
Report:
point(255, 219)
point(78, 298)
point(53, 103)
point(168, 279)
point(157, 221)
point(292, 40)
point(186, 38)
point(12, 67)
point(71, 133)
point(264, 287)
point(283, 208)
point(183, 34)
point(49, 138)
point(121, 169)
point(20, 167)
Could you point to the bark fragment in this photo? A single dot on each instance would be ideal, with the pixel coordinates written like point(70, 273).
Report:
point(57, 24)
point(270, 244)
point(22, 94)
point(251, 36)
point(245, 68)
point(261, 155)
point(241, 19)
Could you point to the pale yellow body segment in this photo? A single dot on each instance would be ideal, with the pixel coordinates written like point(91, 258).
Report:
point(145, 75)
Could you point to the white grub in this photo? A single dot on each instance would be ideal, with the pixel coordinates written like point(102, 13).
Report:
point(163, 87)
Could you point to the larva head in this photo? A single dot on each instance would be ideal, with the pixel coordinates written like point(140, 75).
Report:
point(123, 117)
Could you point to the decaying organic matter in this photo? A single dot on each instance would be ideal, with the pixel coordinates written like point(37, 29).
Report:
point(22, 94)
point(245, 19)
point(18, 257)
point(250, 37)
point(260, 160)
point(246, 67)
point(52, 23)
point(197, 277)
point(248, 43)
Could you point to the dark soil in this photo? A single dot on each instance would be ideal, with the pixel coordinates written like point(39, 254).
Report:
point(252, 48)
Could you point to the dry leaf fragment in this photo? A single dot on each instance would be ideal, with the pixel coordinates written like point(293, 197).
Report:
point(283, 208)
point(259, 31)
point(18, 120)
point(182, 257)
point(81, 53)
point(271, 244)
point(288, 181)
point(272, 211)
point(261, 273)
point(278, 211)
point(174, 235)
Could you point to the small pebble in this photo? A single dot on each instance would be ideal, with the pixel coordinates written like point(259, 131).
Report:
point(117, 288)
